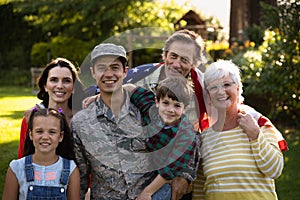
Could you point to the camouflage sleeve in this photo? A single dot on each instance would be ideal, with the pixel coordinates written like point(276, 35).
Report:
point(82, 162)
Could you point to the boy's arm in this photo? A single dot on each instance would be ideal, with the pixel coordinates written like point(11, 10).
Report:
point(153, 187)
point(186, 143)
point(182, 161)
point(143, 99)
point(180, 184)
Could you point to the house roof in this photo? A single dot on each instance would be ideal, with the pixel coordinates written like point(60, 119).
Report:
point(192, 18)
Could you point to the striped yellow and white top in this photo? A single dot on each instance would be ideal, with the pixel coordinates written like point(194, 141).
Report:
point(235, 168)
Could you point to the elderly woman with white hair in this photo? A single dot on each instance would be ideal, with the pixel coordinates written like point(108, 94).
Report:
point(241, 156)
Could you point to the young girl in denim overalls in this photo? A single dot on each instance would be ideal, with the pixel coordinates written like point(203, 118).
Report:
point(47, 170)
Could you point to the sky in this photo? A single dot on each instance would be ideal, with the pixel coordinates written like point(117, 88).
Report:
point(217, 8)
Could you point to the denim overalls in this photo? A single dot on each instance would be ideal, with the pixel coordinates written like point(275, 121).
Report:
point(46, 192)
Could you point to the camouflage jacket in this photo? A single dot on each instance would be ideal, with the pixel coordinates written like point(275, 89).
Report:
point(116, 171)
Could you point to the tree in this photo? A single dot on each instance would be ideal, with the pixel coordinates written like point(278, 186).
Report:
point(89, 22)
point(245, 18)
point(38, 30)
point(281, 58)
point(237, 20)
point(15, 39)
point(277, 79)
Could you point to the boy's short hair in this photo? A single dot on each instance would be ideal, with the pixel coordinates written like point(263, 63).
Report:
point(176, 88)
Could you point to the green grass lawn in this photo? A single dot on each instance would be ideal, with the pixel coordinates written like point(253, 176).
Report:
point(14, 101)
point(288, 184)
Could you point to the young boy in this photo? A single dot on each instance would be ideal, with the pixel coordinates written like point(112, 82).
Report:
point(170, 137)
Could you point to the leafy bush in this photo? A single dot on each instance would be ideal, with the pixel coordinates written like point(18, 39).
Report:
point(39, 53)
point(250, 62)
point(279, 79)
point(15, 76)
point(73, 49)
point(270, 72)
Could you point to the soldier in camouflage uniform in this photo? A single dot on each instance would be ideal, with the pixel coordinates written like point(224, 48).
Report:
point(99, 131)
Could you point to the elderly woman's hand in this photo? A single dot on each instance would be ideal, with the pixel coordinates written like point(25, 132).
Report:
point(249, 125)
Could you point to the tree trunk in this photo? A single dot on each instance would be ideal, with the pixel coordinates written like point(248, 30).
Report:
point(238, 16)
point(244, 13)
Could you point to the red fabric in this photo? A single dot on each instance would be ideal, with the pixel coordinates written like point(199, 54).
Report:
point(203, 120)
point(283, 145)
point(263, 121)
point(22, 137)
